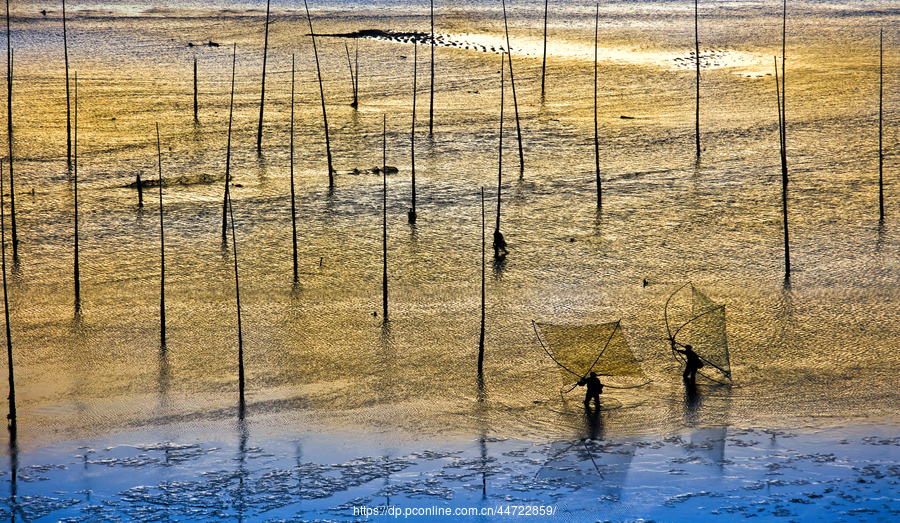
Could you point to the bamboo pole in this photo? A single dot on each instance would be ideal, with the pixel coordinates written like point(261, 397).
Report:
point(784, 168)
point(353, 77)
point(68, 107)
point(237, 291)
point(431, 104)
point(500, 145)
point(195, 90)
point(596, 119)
point(411, 214)
point(481, 334)
point(544, 61)
point(228, 151)
point(499, 243)
point(293, 196)
point(11, 416)
point(881, 125)
point(262, 97)
point(162, 249)
point(512, 84)
point(384, 278)
point(783, 86)
point(697, 60)
point(356, 74)
point(784, 176)
point(322, 95)
point(9, 125)
point(77, 270)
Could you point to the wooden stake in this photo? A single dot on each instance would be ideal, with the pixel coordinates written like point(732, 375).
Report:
point(162, 249)
point(140, 188)
point(512, 84)
point(228, 151)
point(322, 95)
point(293, 197)
point(411, 214)
point(262, 97)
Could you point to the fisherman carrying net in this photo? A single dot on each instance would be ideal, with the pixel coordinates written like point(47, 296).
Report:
point(594, 389)
point(585, 352)
point(691, 314)
point(691, 365)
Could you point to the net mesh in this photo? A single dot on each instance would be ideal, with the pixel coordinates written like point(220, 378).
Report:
point(707, 332)
point(580, 349)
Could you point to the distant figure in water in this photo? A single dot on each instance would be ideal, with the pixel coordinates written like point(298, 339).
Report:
point(499, 244)
point(594, 389)
point(692, 364)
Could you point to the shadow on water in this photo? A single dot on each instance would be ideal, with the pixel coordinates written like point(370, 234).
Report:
point(482, 415)
point(387, 384)
point(77, 326)
point(296, 292)
point(598, 223)
point(786, 328)
point(16, 268)
point(693, 400)
point(164, 375)
point(593, 423)
point(261, 168)
point(14, 473)
point(879, 236)
point(225, 252)
point(243, 435)
point(498, 266)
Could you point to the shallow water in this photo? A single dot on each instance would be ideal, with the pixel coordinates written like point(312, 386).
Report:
point(838, 474)
point(318, 355)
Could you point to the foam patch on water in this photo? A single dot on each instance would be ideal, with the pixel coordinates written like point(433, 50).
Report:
point(712, 59)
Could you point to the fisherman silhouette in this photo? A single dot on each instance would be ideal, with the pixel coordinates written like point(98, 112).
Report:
point(499, 244)
point(691, 365)
point(594, 389)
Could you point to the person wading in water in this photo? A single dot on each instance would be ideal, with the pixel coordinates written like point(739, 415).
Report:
point(692, 364)
point(594, 389)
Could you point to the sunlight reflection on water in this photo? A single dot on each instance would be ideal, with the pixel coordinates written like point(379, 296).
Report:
point(320, 347)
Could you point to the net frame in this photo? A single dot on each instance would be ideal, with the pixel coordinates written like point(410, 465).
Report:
point(712, 315)
point(615, 332)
